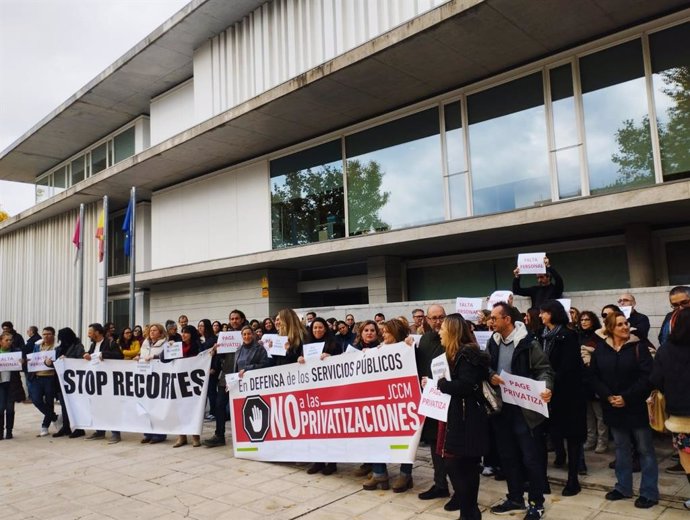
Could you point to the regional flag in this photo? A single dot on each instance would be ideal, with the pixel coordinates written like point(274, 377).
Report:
point(100, 230)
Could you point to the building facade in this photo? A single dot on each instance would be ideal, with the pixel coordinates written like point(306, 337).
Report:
point(344, 153)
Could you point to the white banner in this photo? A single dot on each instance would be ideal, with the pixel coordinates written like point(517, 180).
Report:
point(468, 307)
point(434, 403)
point(11, 362)
point(483, 337)
point(312, 351)
point(524, 392)
point(274, 344)
point(229, 341)
point(116, 395)
point(531, 263)
point(36, 361)
point(357, 407)
point(172, 350)
point(499, 296)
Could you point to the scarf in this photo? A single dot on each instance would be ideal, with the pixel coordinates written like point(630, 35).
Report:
point(548, 337)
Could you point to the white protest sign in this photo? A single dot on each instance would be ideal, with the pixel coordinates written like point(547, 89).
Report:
point(434, 403)
point(468, 307)
point(312, 350)
point(626, 310)
point(531, 263)
point(499, 296)
point(350, 349)
point(232, 379)
point(172, 350)
point(440, 368)
point(228, 342)
point(483, 337)
point(566, 305)
point(10, 362)
point(35, 361)
point(274, 344)
point(524, 392)
point(416, 338)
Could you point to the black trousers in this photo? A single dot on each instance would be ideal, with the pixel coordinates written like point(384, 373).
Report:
point(222, 400)
point(464, 475)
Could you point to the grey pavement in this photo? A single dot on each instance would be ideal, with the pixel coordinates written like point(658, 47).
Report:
point(46, 478)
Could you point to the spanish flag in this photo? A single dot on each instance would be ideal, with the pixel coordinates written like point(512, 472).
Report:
point(99, 234)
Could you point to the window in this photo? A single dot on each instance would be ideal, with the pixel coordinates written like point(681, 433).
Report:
point(670, 50)
point(394, 175)
point(455, 161)
point(78, 170)
point(307, 196)
point(43, 189)
point(678, 265)
point(59, 180)
point(507, 132)
point(118, 263)
point(124, 145)
point(619, 146)
point(98, 159)
point(567, 144)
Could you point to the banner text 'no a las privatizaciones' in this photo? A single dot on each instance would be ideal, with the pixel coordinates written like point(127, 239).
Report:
point(355, 407)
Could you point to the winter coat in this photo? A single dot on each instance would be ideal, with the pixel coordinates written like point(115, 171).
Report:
point(253, 357)
point(568, 407)
point(540, 293)
point(625, 373)
point(467, 429)
point(109, 349)
point(429, 348)
point(528, 360)
point(671, 375)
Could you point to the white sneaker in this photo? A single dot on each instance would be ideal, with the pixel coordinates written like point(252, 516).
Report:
point(488, 471)
point(687, 504)
point(44, 432)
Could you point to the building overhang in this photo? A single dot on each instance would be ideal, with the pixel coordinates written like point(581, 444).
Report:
point(455, 44)
point(658, 206)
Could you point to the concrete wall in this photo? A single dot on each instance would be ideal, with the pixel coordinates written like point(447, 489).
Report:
point(172, 112)
point(219, 216)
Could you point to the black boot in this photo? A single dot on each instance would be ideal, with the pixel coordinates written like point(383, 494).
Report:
point(2, 425)
point(9, 425)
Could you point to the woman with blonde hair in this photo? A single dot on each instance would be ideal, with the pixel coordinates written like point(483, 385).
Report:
point(464, 439)
point(290, 325)
point(151, 348)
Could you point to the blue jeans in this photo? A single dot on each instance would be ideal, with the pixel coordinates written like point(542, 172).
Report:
point(42, 391)
point(649, 485)
point(380, 469)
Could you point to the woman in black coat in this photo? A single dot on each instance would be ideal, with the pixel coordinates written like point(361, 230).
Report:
point(670, 375)
point(568, 408)
point(464, 439)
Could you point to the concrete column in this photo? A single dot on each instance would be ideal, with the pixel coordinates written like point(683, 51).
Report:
point(384, 279)
point(282, 290)
point(142, 306)
point(143, 236)
point(638, 246)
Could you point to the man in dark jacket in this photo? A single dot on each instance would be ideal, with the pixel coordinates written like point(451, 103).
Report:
point(638, 321)
point(33, 336)
point(549, 285)
point(519, 432)
point(429, 348)
point(104, 348)
point(679, 298)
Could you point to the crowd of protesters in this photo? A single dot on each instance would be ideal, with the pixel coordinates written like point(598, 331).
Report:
point(598, 368)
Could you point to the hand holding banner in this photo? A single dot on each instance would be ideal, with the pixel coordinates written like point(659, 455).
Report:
point(312, 350)
point(440, 368)
point(468, 307)
point(524, 392)
point(228, 342)
point(10, 362)
point(434, 403)
point(274, 344)
point(499, 296)
point(36, 361)
point(172, 350)
point(531, 263)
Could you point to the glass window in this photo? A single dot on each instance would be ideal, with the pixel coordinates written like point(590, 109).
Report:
point(394, 175)
point(307, 196)
point(124, 145)
point(508, 146)
point(619, 146)
point(670, 50)
point(98, 159)
point(78, 171)
point(677, 254)
point(60, 180)
point(566, 140)
point(455, 158)
point(43, 188)
point(118, 263)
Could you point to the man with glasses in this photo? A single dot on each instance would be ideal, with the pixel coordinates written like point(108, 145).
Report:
point(43, 385)
point(519, 432)
point(544, 290)
point(637, 320)
point(429, 348)
point(417, 325)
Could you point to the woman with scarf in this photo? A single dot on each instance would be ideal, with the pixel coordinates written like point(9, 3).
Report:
point(69, 346)
point(568, 408)
point(151, 349)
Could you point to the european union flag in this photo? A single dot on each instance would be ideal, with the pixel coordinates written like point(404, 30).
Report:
point(127, 227)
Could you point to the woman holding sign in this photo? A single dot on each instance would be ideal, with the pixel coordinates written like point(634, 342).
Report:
point(568, 408)
point(290, 325)
point(464, 439)
point(151, 349)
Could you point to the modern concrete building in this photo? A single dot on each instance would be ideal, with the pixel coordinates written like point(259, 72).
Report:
point(325, 153)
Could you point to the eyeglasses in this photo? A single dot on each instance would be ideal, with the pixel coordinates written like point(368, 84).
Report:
point(436, 318)
point(682, 304)
point(419, 316)
point(492, 318)
point(624, 300)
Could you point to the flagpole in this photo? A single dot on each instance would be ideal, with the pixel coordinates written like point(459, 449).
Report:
point(132, 257)
point(105, 259)
point(80, 282)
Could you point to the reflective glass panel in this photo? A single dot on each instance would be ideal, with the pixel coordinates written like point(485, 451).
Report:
point(394, 174)
point(619, 147)
point(670, 51)
point(508, 146)
point(457, 191)
point(307, 196)
point(565, 131)
point(124, 145)
point(98, 159)
point(60, 180)
point(568, 166)
point(78, 170)
point(455, 157)
point(43, 189)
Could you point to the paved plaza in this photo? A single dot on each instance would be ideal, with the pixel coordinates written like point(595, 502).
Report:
point(46, 478)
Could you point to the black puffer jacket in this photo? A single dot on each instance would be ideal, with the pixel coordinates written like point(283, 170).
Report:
point(467, 429)
point(671, 375)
